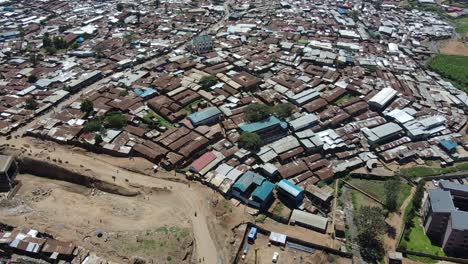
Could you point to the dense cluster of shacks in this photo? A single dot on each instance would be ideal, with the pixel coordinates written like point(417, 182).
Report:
point(99, 40)
point(354, 74)
point(26, 245)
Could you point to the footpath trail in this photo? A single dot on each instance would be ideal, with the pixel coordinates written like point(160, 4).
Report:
point(188, 199)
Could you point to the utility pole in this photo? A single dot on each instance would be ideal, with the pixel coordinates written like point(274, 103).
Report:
point(256, 260)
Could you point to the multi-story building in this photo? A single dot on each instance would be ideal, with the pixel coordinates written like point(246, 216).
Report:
point(445, 217)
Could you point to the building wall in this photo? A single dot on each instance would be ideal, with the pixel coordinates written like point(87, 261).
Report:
point(455, 242)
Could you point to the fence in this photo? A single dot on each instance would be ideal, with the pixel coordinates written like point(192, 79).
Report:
point(290, 239)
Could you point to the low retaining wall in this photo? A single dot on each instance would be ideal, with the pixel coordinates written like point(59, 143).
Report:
point(451, 259)
point(52, 171)
point(291, 239)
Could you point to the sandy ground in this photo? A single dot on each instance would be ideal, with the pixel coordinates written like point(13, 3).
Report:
point(67, 208)
point(187, 203)
point(454, 47)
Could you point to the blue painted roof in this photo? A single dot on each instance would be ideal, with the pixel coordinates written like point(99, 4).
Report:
point(252, 232)
point(341, 11)
point(290, 187)
point(448, 144)
point(247, 179)
point(79, 39)
point(144, 92)
point(260, 125)
point(204, 114)
point(262, 192)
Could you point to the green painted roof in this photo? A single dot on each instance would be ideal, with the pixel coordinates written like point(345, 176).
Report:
point(246, 180)
point(262, 192)
point(260, 125)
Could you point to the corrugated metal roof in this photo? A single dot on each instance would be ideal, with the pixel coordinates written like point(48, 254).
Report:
point(260, 125)
point(290, 188)
point(204, 114)
point(309, 219)
point(262, 192)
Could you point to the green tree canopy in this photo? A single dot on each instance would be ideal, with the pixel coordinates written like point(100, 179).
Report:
point(31, 104)
point(115, 120)
point(257, 112)
point(250, 141)
point(371, 225)
point(93, 126)
point(98, 139)
point(283, 110)
point(32, 78)
point(391, 194)
point(208, 81)
point(87, 106)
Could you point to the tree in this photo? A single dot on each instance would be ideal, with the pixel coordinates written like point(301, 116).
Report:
point(115, 120)
point(208, 81)
point(250, 141)
point(93, 125)
point(32, 78)
point(391, 194)
point(120, 7)
point(87, 106)
point(257, 112)
point(98, 139)
point(193, 20)
point(283, 110)
point(46, 41)
point(157, 3)
point(31, 104)
point(33, 59)
point(173, 25)
point(371, 226)
point(123, 93)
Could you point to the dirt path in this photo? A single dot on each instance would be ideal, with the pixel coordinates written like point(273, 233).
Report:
point(186, 199)
point(396, 221)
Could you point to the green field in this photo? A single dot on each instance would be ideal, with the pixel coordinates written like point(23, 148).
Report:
point(461, 25)
point(377, 189)
point(425, 171)
point(419, 242)
point(452, 67)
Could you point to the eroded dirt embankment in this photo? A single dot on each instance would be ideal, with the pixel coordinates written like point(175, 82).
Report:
point(49, 170)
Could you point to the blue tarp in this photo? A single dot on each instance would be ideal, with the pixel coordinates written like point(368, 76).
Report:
point(448, 145)
point(144, 92)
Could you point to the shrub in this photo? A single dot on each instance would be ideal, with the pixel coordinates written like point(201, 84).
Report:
point(208, 81)
point(92, 126)
point(283, 110)
point(257, 112)
point(250, 141)
point(31, 104)
point(86, 106)
point(115, 120)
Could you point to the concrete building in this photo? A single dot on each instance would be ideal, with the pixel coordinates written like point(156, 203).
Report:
point(309, 220)
point(382, 133)
point(201, 44)
point(382, 98)
point(445, 218)
point(8, 171)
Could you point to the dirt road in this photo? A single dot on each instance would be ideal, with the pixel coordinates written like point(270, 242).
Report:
point(186, 201)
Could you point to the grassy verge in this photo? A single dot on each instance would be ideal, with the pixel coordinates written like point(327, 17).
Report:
point(461, 25)
point(419, 242)
point(425, 171)
point(344, 98)
point(377, 189)
point(452, 67)
point(188, 108)
point(148, 119)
